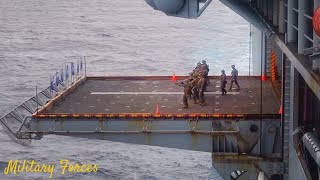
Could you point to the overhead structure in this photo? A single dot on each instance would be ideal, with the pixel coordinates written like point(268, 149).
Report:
point(191, 9)
point(194, 8)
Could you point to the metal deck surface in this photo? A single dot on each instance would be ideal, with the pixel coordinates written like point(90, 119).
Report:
point(141, 95)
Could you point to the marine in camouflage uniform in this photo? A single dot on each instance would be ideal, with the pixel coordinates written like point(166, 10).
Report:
point(204, 63)
point(223, 80)
point(195, 72)
point(202, 74)
point(186, 84)
point(206, 67)
point(201, 87)
point(196, 84)
point(195, 90)
point(197, 67)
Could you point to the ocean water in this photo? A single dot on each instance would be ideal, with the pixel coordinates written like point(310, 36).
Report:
point(118, 37)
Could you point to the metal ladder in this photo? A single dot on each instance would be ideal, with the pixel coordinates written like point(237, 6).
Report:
point(287, 81)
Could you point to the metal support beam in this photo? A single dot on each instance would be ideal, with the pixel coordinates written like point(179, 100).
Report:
point(16, 115)
point(275, 13)
point(258, 5)
point(302, 26)
point(263, 53)
point(282, 12)
point(295, 166)
point(285, 119)
point(265, 7)
point(270, 10)
point(46, 93)
point(316, 39)
point(28, 107)
point(291, 19)
point(247, 13)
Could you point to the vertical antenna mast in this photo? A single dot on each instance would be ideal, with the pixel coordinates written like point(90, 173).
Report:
point(250, 50)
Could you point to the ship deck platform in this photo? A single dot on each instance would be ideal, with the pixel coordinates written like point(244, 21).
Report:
point(142, 94)
point(123, 109)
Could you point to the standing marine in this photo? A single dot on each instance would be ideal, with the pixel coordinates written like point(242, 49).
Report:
point(187, 86)
point(234, 77)
point(195, 90)
point(201, 88)
point(206, 68)
point(204, 63)
point(223, 80)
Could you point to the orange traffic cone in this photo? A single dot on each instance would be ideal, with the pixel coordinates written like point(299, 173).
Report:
point(263, 77)
point(157, 110)
point(280, 110)
point(174, 78)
